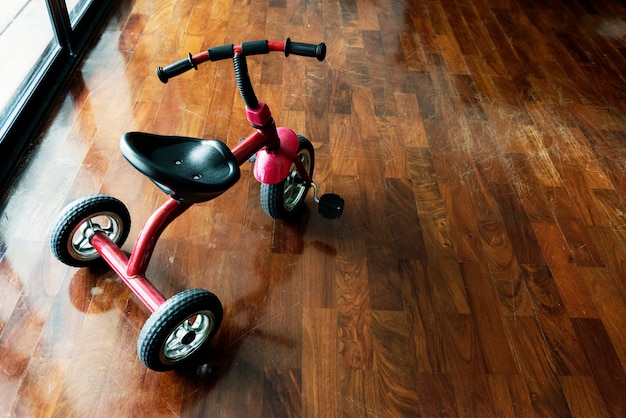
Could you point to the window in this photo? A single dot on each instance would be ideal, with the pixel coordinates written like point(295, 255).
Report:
point(40, 43)
point(25, 35)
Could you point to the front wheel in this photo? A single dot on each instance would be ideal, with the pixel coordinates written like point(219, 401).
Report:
point(178, 329)
point(282, 200)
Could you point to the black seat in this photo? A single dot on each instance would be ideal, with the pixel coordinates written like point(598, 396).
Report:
point(188, 169)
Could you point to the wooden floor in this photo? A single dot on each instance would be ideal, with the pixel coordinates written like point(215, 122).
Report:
point(479, 269)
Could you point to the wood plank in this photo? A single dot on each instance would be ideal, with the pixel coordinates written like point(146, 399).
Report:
point(536, 364)
point(606, 368)
point(573, 292)
point(354, 315)
point(511, 396)
point(602, 287)
point(583, 397)
point(552, 317)
point(319, 356)
point(495, 343)
point(395, 366)
point(436, 394)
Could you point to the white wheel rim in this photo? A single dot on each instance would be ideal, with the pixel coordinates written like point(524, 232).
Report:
point(188, 336)
point(79, 246)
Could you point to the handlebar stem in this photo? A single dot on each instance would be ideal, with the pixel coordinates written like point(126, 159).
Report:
point(243, 81)
point(259, 117)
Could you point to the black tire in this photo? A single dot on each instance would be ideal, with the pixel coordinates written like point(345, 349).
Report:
point(69, 239)
point(284, 199)
point(175, 333)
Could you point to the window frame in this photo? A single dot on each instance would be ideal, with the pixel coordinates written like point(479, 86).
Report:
point(28, 113)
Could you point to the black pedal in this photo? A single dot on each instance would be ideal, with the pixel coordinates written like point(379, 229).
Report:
point(330, 206)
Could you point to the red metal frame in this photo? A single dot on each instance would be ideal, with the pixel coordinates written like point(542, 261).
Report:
point(132, 271)
point(115, 257)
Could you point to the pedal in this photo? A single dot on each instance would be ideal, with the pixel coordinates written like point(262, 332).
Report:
point(330, 206)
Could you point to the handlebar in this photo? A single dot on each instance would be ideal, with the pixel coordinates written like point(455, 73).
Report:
point(245, 49)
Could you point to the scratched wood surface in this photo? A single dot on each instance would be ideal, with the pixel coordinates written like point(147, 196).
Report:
point(478, 270)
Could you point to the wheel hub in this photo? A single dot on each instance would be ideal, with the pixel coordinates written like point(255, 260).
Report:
point(188, 338)
point(80, 246)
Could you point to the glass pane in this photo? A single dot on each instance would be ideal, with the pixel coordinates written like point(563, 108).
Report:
point(76, 9)
point(25, 35)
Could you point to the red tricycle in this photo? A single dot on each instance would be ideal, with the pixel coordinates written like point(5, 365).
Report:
point(189, 171)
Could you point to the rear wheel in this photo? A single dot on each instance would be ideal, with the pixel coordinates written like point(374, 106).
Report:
point(175, 333)
point(77, 222)
point(283, 200)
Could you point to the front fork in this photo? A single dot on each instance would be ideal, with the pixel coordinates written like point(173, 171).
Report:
point(276, 149)
point(276, 152)
point(273, 166)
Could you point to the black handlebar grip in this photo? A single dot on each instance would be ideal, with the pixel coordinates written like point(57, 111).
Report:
point(175, 69)
point(255, 47)
point(306, 50)
point(221, 52)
